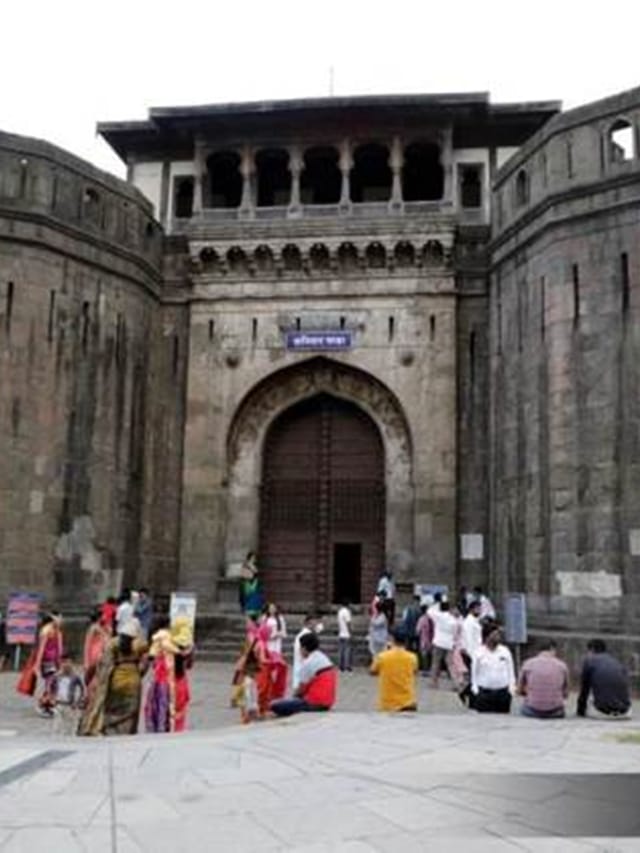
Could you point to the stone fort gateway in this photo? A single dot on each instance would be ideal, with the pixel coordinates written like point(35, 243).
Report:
point(346, 332)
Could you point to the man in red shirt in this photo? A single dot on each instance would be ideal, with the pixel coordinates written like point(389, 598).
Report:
point(544, 683)
point(318, 681)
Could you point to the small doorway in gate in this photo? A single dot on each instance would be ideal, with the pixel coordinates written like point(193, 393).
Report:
point(347, 572)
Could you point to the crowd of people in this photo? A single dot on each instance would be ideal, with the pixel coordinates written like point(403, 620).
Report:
point(124, 645)
point(129, 654)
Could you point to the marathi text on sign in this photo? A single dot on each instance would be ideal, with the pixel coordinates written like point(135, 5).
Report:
point(318, 340)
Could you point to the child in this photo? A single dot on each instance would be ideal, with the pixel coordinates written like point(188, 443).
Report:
point(245, 692)
point(69, 695)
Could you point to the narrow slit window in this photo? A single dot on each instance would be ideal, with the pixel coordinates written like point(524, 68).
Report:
point(298, 324)
point(624, 274)
point(543, 306)
point(254, 330)
point(212, 329)
point(9, 306)
point(472, 357)
point(86, 321)
point(391, 327)
point(432, 327)
point(176, 354)
point(52, 315)
point(575, 277)
point(342, 322)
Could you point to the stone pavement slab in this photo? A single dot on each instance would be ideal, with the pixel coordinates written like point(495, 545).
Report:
point(352, 781)
point(347, 781)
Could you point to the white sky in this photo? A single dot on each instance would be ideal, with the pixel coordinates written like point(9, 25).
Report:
point(67, 64)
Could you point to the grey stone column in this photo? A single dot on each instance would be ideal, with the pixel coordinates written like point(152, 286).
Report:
point(346, 164)
point(446, 158)
point(396, 162)
point(247, 168)
point(198, 175)
point(296, 165)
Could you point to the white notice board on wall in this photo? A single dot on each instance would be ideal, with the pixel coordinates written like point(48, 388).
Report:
point(472, 546)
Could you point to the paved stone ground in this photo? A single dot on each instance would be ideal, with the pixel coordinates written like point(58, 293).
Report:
point(211, 688)
point(352, 781)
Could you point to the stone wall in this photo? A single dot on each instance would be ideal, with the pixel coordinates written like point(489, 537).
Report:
point(565, 419)
point(80, 278)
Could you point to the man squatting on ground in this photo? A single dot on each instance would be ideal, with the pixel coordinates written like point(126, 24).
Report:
point(317, 688)
point(397, 669)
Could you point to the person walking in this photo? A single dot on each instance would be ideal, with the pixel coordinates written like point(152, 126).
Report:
point(114, 708)
point(410, 618)
point(396, 669)
point(544, 684)
point(69, 698)
point(386, 589)
point(143, 611)
point(604, 685)
point(48, 659)
point(378, 631)
point(445, 626)
point(344, 637)
point(492, 674)
point(424, 630)
point(471, 640)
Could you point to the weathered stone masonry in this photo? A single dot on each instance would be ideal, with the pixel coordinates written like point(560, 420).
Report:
point(494, 342)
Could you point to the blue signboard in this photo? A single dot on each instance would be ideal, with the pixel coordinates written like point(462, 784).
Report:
point(318, 340)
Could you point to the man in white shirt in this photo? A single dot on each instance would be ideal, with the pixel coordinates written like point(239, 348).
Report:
point(344, 637)
point(124, 613)
point(387, 590)
point(471, 640)
point(493, 678)
point(445, 626)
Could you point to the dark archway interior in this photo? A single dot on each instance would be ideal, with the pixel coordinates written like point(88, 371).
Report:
point(183, 198)
point(273, 177)
point(422, 174)
point(321, 179)
point(322, 499)
point(225, 180)
point(371, 174)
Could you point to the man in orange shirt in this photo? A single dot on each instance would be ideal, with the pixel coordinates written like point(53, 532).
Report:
point(397, 669)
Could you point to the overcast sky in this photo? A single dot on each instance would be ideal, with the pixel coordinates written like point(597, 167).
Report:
point(66, 64)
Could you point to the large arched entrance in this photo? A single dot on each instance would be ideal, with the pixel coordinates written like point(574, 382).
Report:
point(322, 503)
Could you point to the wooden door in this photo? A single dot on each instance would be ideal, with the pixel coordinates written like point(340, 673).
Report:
point(323, 485)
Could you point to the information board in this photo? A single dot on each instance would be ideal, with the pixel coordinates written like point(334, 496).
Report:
point(23, 616)
point(515, 618)
point(183, 606)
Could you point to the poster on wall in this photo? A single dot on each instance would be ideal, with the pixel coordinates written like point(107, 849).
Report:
point(183, 606)
point(23, 616)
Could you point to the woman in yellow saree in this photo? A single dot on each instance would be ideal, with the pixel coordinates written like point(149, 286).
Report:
point(114, 706)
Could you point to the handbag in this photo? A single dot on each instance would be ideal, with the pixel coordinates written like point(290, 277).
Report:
point(28, 678)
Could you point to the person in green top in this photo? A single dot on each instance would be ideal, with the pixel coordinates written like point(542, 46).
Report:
point(251, 596)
